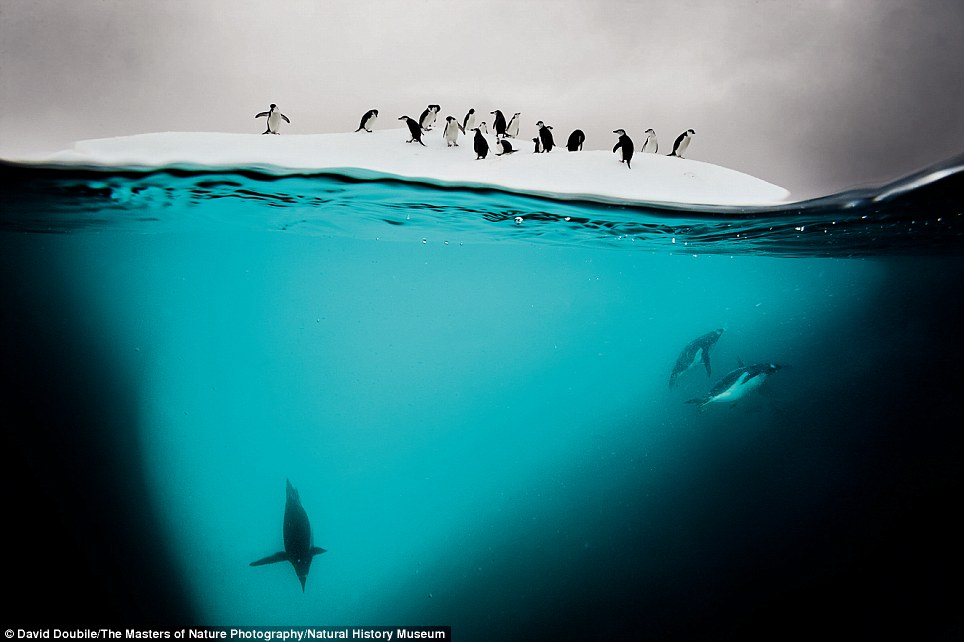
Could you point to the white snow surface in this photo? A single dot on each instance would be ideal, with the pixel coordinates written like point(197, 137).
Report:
point(591, 174)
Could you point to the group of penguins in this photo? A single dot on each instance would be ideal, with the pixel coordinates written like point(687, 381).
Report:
point(735, 385)
point(503, 129)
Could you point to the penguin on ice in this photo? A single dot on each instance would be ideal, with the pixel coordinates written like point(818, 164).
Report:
point(296, 532)
point(451, 131)
point(625, 146)
point(682, 142)
point(505, 147)
point(368, 120)
point(696, 351)
point(650, 145)
point(576, 139)
point(428, 116)
point(538, 142)
point(512, 129)
point(274, 119)
point(737, 384)
point(414, 129)
point(498, 124)
point(481, 145)
point(468, 123)
point(545, 135)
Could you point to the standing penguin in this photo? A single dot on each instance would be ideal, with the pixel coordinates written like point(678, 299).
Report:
point(650, 145)
point(451, 131)
point(481, 145)
point(625, 146)
point(682, 142)
point(538, 147)
point(505, 147)
point(368, 120)
point(274, 119)
point(468, 123)
point(414, 129)
point(576, 139)
point(499, 124)
point(428, 116)
point(545, 136)
point(512, 129)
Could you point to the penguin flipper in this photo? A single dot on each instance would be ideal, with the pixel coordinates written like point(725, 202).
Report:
point(706, 362)
point(316, 550)
point(262, 114)
point(280, 556)
point(286, 119)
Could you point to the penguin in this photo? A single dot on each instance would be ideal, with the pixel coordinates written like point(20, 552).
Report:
point(296, 532)
point(737, 384)
point(274, 119)
point(576, 139)
point(505, 147)
point(368, 120)
point(625, 145)
point(483, 127)
point(650, 145)
point(414, 129)
point(682, 142)
point(481, 145)
point(498, 124)
point(538, 142)
point(428, 117)
point(512, 129)
point(451, 131)
point(546, 136)
point(696, 351)
point(468, 123)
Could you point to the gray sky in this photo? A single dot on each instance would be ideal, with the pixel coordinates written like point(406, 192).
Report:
point(815, 96)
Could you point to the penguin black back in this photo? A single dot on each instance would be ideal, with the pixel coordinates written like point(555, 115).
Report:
point(414, 129)
point(576, 139)
point(480, 144)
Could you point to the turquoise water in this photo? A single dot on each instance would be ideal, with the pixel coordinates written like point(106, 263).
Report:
point(469, 390)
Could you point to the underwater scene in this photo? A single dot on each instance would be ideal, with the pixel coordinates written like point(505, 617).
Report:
point(522, 417)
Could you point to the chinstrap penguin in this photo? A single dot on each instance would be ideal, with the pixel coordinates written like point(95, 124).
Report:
point(274, 119)
point(576, 139)
point(451, 131)
point(545, 135)
point(505, 147)
point(737, 384)
point(296, 533)
point(368, 120)
point(480, 144)
point(512, 129)
point(650, 145)
point(468, 123)
point(498, 125)
point(414, 129)
point(428, 116)
point(682, 142)
point(696, 351)
point(625, 146)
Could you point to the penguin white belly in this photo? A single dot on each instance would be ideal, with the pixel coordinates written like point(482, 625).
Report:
point(740, 388)
point(470, 123)
point(683, 144)
point(697, 358)
point(370, 122)
point(274, 119)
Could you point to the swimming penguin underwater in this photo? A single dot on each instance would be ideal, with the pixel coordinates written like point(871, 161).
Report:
point(480, 144)
point(737, 384)
point(414, 129)
point(696, 351)
point(682, 142)
point(274, 119)
point(625, 146)
point(368, 120)
point(296, 531)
